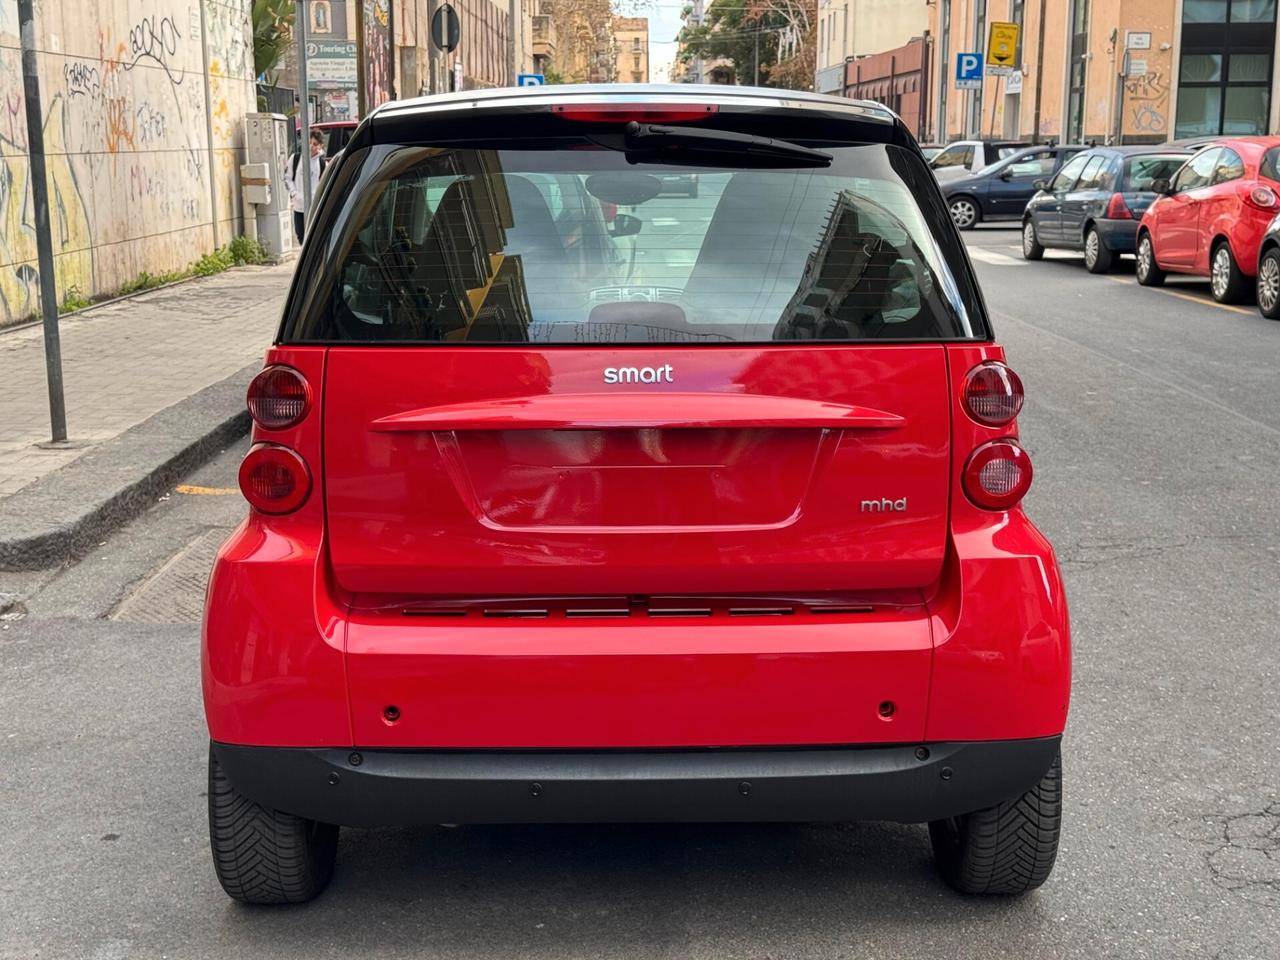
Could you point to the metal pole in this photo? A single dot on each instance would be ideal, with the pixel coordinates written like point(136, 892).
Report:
point(208, 126)
point(995, 98)
point(1035, 133)
point(362, 64)
point(304, 111)
point(512, 67)
point(44, 237)
point(433, 56)
point(755, 78)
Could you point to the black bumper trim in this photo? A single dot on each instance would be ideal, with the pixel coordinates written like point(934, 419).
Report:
point(392, 787)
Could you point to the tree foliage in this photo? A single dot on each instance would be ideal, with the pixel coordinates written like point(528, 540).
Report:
point(770, 42)
point(584, 39)
point(272, 33)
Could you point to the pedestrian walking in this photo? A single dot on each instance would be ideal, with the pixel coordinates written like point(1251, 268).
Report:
point(294, 182)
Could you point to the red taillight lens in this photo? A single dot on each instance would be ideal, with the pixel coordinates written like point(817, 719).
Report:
point(274, 479)
point(1264, 198)
point(992, 393)
point(639, 112)
point(1117, 209)
point(279, 398)
point(997, 475)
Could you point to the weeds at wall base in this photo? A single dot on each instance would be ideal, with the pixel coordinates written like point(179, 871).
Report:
point(238, 253)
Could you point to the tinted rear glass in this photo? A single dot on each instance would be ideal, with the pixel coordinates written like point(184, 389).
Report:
point(1141, 172)
point(568, 242)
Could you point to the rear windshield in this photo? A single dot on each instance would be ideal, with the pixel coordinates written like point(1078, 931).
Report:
point(567, 242)
point(1141, 172)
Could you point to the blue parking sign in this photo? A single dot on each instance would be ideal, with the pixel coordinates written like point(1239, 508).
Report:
point(969, 71)
point(530, 80)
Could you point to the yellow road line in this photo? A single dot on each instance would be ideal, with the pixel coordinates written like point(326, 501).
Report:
point(1189, 297)
point(206, 491)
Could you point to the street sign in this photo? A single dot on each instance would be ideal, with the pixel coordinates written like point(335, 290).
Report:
point(331, 63)
point(1137, 40)
point(446, 30)
point(968, 71)
point(530, 80)
point(1137, 68)
point(1002, 45)
point(1013, 82)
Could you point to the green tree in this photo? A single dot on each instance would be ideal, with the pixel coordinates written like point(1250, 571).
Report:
point(272, 34)
point(769, 42)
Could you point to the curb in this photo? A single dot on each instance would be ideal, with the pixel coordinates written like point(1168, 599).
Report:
point(63, 515)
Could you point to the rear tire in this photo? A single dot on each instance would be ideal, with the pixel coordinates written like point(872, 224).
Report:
point(1097, 255)
point(262, 855)
point(1226, 282)
point(1031, 248)
point(964, 212)
point(1006, 849)
point(1269, 284)
point(1148, 271)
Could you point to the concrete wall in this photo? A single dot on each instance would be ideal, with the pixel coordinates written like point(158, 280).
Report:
point(859, 28)
point(144, 140)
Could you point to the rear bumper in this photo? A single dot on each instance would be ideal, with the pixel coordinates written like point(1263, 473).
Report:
point(909, 784)
point(1120, 236)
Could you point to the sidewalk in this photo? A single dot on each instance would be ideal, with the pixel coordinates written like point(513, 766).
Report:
point(165, 363)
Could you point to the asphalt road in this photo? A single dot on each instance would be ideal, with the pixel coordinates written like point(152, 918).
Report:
point(1153, 420)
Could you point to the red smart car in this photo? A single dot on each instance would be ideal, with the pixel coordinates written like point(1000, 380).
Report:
point(576, 500)
point(1212, 215)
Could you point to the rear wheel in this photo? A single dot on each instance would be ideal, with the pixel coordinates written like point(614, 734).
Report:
point(1148, 271)
point(1269, 284)
point(964, 212)
point(1031, 249)
point(1008, 848)
point(263, 855)
point(1097, 255)
point(1226, 282)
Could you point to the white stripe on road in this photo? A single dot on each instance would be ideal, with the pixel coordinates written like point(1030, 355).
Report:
point(999, 259)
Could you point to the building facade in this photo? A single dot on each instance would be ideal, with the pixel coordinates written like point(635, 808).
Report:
point(631, 43)
point(1132, 71)
point(859, 28)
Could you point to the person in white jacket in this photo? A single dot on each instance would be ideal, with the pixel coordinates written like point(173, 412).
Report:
point(293, 180)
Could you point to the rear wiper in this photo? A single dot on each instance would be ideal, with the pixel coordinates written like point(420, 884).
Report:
point(653, 136)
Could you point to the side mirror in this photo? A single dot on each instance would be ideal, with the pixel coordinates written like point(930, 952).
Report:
point(1162, 187)
point(1041, 184)
point(1007, 174)
point(625, 225)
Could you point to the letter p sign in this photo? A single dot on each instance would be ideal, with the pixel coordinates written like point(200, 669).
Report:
point(968, 71)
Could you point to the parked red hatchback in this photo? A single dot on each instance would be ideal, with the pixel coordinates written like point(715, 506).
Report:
point(576, 500)
point(1212, 216)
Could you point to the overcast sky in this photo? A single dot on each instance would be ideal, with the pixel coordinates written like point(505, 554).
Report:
point(664, 24)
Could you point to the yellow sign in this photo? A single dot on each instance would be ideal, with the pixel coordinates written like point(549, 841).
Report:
point(1002, 47)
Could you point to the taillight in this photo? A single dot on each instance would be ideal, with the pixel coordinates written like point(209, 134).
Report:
point(639, 112)
point(992, 393)
point(997, 475)
point(274, 479)
point(279, 398)
point(1117, 209)
point(1264, 198)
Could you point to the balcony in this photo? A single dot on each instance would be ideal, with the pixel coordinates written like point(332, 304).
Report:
point(544, 36)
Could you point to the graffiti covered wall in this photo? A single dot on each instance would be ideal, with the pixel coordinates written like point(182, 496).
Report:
point(142, 176)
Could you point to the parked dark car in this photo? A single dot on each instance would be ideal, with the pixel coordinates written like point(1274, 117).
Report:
point(1096, 201)
point(961, 158)
point(1001, 191)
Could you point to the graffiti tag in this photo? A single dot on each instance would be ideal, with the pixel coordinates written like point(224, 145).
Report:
point(155, 40)
point(149, 123)
point(1149, 99)
point(82, 79)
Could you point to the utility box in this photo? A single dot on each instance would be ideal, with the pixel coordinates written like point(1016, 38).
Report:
point(266, 140)
point(255, 183)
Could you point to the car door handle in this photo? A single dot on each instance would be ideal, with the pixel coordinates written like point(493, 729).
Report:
point(637, 411)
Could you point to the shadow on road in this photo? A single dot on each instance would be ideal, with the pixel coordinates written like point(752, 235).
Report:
point(595, 890)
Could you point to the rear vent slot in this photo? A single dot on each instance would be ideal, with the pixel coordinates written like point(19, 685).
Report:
point(588, 613)
point(509, 613)
point(760, 611)
point(433, 613)
point(679, 611)
point(841, 609)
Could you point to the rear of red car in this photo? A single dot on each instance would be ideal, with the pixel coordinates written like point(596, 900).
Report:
point(574, 500)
